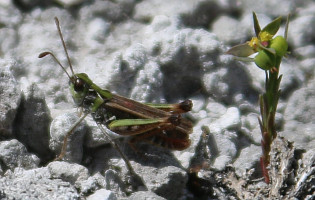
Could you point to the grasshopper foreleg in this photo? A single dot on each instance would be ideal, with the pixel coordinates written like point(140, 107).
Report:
point(65, 140)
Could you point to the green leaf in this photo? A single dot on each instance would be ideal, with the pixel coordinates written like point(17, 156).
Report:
point(287, 27)
point(241, 50)
point(273, 27)
point(256, 24)
point(244, 59)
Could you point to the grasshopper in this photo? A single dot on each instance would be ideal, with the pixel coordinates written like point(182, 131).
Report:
point(158, 124)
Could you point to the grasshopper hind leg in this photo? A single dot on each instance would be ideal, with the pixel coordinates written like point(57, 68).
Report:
point(168, 138)
point(116, 146)
point(136, 179)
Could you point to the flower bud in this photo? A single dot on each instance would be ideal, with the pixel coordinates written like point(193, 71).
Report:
point(280, 45)
point(265, 60)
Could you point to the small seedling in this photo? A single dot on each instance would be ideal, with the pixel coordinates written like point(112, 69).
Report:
point(270, 51)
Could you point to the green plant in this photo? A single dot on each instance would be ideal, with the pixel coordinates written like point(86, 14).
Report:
point(270, 51)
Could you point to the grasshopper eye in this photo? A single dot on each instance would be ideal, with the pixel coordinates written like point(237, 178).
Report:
point(78, 85)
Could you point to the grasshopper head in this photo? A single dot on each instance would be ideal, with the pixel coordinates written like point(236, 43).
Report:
point(79, 86)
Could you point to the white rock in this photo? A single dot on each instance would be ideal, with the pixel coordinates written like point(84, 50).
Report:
point(102, 194)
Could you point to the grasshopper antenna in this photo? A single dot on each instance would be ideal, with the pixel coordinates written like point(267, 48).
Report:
point(63, 44)
point(57, 61)
point(65, 49)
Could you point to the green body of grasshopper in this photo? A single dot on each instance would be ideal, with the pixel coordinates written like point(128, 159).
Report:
point(159, 124)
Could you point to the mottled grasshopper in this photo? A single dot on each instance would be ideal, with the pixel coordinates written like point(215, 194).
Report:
point(158, 124)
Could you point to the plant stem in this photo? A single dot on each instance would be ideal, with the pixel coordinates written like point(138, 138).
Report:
point(268, 106)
